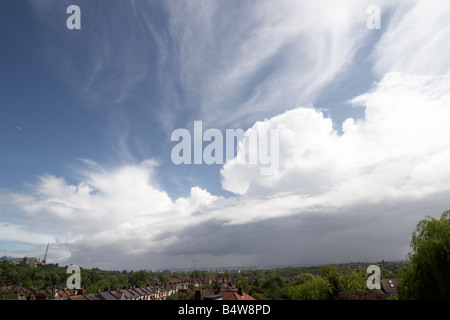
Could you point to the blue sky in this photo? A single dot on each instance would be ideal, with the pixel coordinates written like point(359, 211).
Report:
point(76, 94)
point(87, 115)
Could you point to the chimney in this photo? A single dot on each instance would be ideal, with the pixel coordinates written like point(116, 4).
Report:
point(198, 295)
point(240, 291)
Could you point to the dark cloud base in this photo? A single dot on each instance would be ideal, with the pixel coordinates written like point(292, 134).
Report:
point(361, 233)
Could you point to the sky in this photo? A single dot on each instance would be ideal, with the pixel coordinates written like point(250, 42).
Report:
point(357, 91)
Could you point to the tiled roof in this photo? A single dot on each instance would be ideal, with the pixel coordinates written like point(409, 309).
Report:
point(106, 296)
point(147, 291)
point(80, 297)
point(389, 286)
point(137, 292)
point(227, 294)
point(140, 291)
point(234, 295)
point(92, 297)
point(133, 293)
point(118, 295)
point(127, 294)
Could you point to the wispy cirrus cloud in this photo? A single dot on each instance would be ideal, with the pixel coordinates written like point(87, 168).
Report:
point(105, 61)
point(218, 62)
point(415, 41)
point(238, 64)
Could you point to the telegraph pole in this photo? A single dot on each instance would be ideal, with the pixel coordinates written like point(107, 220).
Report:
point(193, 262)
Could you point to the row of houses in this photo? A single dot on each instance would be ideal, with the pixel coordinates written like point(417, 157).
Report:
point(220, 292)
point(133, 293)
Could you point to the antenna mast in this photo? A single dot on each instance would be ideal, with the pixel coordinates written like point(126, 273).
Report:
point(45, 256)
point(194, 261)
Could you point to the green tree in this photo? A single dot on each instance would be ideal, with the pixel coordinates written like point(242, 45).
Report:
point(164, 278)
point(140, 277)
point(39, 284)
point(352, 281)
point(303, 278)
point(314, 289)
point(326, 271)
point(99, 286)
point(273, 288)
point(119, 281)
point(427, 276)
point(331, 274)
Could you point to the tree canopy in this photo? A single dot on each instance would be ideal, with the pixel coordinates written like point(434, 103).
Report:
point(428, 274)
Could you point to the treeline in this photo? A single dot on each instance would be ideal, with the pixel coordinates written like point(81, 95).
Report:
point(94, 280)
point(281, 283)
point(22, 275)
point(327, 283)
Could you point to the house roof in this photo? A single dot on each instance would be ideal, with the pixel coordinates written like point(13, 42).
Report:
point(234, 295)
point(117, 294)
point(227, 294)
point(79, 297)
point(137, 292)
point(106, 296)
point(140, 291)
point(15, 296)
point(147, 291)
point(127, 293)
point(67, 293)
point(389, 286)
point(133, 294)
point(92, 297)
point(200, 295)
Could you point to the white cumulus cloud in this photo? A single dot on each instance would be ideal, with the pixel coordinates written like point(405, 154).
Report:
point(400, 149)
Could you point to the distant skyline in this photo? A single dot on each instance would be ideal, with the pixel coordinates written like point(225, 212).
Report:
point(86, 118)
